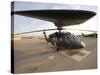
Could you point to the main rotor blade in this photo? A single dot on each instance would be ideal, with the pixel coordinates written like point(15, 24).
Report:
point(79, 29)
point(60, 18)
point(34, 31)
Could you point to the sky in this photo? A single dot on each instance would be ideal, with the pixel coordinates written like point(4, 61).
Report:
point(24, 24)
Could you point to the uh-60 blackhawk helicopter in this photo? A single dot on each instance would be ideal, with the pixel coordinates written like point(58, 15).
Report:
point(60, 18)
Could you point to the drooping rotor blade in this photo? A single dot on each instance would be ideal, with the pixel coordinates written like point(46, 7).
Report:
point(60, 18)
point(79, 29)
point(34, 31)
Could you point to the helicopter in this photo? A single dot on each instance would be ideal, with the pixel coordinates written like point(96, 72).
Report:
point(60, 18)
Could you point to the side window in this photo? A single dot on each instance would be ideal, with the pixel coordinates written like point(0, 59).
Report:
point(76, 38)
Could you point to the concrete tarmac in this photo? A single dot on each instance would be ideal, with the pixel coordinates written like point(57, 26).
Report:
point(36, 55)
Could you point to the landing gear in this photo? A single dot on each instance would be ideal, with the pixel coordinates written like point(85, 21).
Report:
point(57, 49)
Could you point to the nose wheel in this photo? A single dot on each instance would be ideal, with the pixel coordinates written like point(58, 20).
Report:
point(57, 47)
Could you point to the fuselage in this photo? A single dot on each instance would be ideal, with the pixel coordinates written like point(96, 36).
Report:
point(66, 40)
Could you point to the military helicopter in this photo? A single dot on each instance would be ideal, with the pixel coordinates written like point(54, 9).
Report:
point(60, 18)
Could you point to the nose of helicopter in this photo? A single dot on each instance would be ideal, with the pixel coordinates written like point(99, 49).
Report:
point(82, 44)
